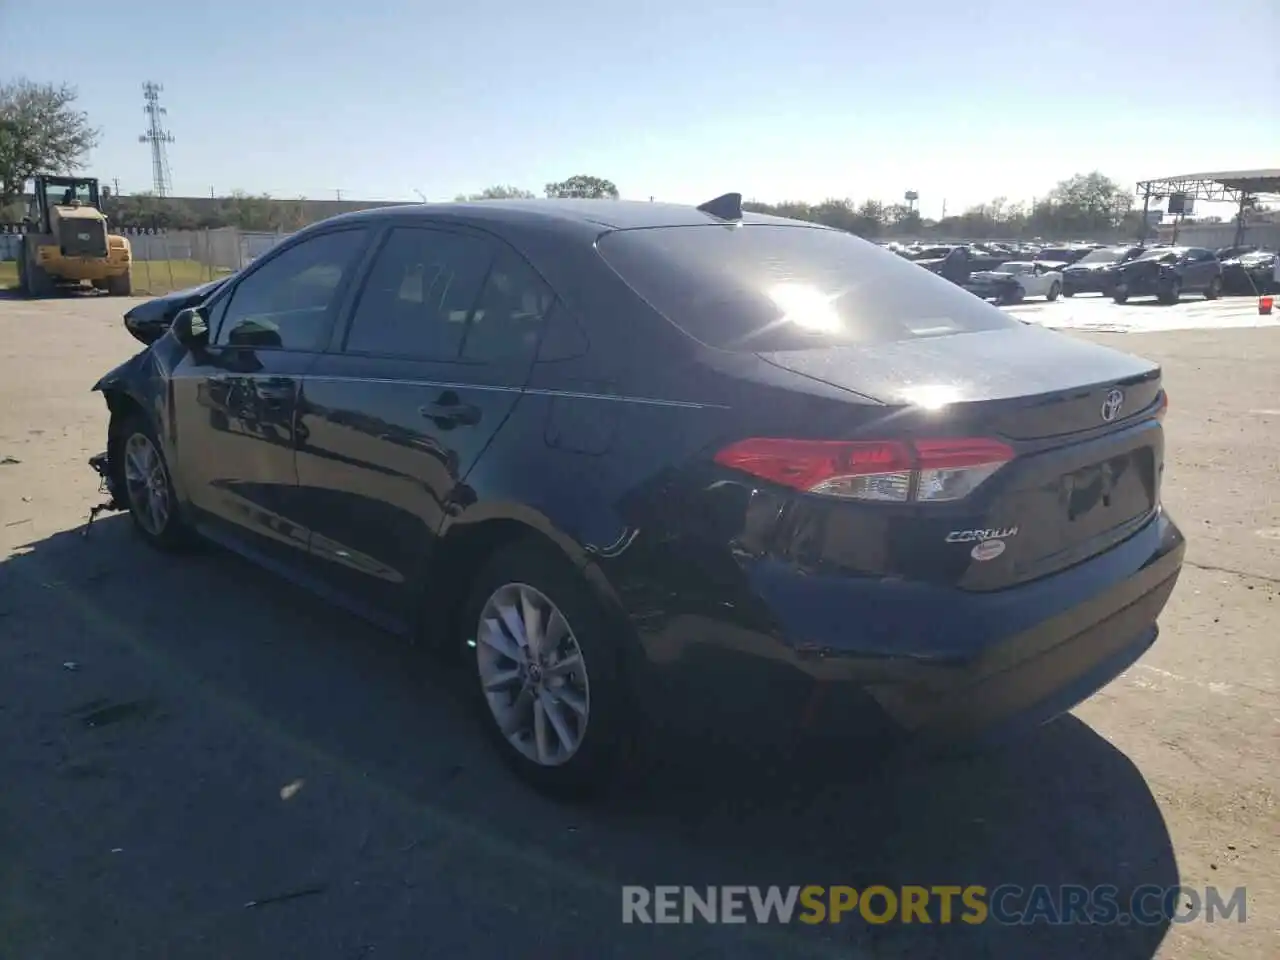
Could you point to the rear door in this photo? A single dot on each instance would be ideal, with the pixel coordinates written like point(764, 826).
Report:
point(432, 360)
point(1202, 265)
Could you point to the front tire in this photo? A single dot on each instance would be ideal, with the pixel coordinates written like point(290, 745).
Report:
point(545, 669)
point(1054, 290)
point(143, 476)
point(121, 286)
point(1172, 293)
point(1214, 290)
point(1120, 294)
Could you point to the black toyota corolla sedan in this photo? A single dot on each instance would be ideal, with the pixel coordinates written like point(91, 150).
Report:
point(637, 463)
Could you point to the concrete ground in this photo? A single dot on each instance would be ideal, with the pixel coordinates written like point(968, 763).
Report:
point(198, 761)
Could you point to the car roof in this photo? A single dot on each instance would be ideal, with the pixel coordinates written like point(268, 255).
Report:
point(569, 215)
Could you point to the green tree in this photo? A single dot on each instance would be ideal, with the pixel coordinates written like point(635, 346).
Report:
point(583, 186)
point(41, 131)
point(499, 192)
point(1089, 203)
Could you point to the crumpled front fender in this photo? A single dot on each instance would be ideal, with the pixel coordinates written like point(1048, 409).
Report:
point(127, 376)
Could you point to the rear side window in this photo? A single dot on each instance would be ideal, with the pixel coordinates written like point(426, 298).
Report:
point(509, 315)
point(764, 287)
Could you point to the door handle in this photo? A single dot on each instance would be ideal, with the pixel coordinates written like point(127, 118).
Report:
point(449, 411)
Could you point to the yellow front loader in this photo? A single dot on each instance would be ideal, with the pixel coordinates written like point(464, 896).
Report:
point(68, 242)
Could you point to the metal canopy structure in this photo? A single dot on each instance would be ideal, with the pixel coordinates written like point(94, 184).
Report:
point(1226, 186)
point(1241, 187)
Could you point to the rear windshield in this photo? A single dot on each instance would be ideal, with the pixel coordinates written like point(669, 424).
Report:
point(763, 287)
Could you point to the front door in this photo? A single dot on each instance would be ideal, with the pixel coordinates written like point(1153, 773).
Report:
point(235, 402)
point(439, 345)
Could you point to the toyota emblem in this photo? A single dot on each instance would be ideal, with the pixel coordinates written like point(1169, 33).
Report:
point(1111, 406)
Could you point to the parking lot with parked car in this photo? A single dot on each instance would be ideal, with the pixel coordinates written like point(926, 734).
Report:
point(211, 760)
point(1163, 271)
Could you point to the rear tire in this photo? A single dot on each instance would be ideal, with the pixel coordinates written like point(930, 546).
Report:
point(1053, 292)
point(1120, 294)
point(142, 476)
point(122, 285)
point(1214, 290)
point(1068, 293)
point(575, 681)
point(1171, 294)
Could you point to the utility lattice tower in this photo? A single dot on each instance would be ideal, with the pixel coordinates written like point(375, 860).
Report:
point(158, 137)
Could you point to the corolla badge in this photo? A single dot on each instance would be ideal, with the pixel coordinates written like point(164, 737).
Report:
point(1111, 406)
point(992, 533)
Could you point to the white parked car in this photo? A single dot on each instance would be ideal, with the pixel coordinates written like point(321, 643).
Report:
point(1020, 279)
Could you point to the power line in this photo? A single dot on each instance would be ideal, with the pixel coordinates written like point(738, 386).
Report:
point(158, 137)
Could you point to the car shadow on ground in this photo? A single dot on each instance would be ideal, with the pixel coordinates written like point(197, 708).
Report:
point(1062, 807)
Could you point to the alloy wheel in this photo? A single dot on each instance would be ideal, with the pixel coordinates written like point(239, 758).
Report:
point(533, 674)
point(147, 483)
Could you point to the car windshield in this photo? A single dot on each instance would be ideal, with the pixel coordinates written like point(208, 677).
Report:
point(1105, 255)
point(764, 287)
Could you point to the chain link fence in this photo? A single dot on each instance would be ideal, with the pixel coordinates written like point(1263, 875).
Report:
point(167, 260)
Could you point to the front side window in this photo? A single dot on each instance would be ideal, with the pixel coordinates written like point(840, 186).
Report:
point(287, 303)
point(422, 290)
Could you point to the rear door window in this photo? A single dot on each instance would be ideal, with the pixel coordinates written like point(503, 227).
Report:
point(420, 293)
point(766, 287)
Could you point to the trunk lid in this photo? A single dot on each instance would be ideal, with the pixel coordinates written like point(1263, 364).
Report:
point(1030, 383)
point(1080, 418)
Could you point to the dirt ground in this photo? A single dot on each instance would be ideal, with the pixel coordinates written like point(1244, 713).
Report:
point(198, 761)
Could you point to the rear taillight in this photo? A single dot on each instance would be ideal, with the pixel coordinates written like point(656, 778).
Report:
point(896, 471)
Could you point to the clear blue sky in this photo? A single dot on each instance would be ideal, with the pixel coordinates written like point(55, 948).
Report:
point(678, 99)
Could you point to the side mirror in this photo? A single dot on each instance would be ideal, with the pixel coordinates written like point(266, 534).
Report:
point(191, 327)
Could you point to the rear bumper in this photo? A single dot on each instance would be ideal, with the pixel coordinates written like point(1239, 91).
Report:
point(935, 665)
